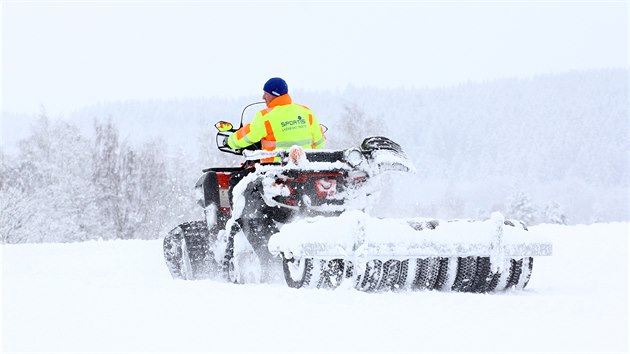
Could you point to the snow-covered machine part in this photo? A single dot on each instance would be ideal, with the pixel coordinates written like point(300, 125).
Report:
point(302, 217)
point(355, 234)
point(390, 254)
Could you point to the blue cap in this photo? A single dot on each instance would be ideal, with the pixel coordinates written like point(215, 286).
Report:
point(276, 87)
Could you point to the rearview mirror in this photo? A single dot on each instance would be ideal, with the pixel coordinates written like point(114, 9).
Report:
point(223, 126)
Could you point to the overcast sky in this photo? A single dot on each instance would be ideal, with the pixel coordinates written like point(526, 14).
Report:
point(64, 55)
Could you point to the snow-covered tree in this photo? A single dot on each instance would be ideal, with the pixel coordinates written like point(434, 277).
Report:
point(181, 204)
point(153, 190)
point(62, 187)
point(520, 207)
point(106, 178)
point(16, 206)
point(554, 213)
point(354, 126)
point(132, 185)
point(47, 191)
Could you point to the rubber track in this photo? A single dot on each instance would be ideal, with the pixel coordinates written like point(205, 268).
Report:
point(369, 280)
point(530, 268)
point(465, 278)
point(391, 274)
point(195, 237)
point(516, 267)
point(332, 274)
point(462, 274)
point(484, 277)
point(306, 276)
point(442, 274)
point(402, 278)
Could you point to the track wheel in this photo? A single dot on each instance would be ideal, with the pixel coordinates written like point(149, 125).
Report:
point(392, 270)
point(407, 274)
point(188, 253)
point(485, 279)
point(428, 270)
point(447, 273)
point(370, 278)
point(332, 273)
point(466, 271)
point(301, 273)
point(520, 272)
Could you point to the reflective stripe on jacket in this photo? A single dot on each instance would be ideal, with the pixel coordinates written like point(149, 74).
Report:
point(280, 126)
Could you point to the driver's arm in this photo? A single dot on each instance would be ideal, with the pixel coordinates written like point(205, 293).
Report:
point(249, 134)
point(319, 139)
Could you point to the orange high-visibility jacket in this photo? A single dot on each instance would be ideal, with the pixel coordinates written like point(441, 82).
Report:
point(280, 126)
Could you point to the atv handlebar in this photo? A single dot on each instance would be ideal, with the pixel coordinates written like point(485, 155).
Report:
point(225, 129)
point(221, 140)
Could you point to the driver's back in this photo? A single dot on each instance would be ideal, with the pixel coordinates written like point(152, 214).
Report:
point(280, 126)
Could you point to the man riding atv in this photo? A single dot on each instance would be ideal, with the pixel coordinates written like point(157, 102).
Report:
point(302, 213)
point(281, 125)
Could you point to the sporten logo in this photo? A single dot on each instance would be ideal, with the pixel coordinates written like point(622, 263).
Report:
point(298, 121)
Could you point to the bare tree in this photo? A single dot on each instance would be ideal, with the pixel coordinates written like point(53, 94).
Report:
point(354, 126)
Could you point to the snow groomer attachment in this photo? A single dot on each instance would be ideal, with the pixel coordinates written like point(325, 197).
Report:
point(302, 218)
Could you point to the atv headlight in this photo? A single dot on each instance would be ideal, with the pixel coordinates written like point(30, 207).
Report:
point(354, 157)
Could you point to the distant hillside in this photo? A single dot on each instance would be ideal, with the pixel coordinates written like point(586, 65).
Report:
point(559, 138)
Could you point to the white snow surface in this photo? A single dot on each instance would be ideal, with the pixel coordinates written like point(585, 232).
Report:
point(117, 296)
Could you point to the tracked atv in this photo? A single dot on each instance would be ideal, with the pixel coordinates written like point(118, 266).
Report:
point(302, 218)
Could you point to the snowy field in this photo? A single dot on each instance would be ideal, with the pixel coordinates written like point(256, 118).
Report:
point(119, 297)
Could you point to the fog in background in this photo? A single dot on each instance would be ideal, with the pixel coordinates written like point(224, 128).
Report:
point(108, 107)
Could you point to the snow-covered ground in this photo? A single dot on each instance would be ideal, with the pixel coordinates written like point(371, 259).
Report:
point(119, 297)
